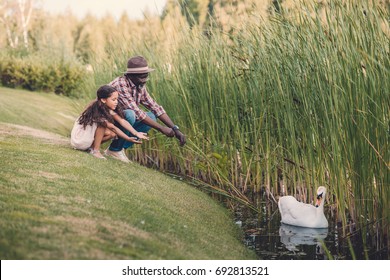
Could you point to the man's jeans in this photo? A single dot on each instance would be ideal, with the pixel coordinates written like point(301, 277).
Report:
point(120, 143)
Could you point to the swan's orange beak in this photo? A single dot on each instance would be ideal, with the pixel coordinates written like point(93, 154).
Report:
point(318, 201)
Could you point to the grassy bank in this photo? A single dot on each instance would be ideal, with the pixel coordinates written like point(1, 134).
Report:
point(39, 110)
point(58, 203)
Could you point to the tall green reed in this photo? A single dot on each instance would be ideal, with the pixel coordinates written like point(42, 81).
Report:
point(281, 105)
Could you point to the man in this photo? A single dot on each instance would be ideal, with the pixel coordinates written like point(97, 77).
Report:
point(132, 93)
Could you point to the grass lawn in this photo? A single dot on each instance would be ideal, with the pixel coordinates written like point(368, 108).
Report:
point(44, 111)
point(58, 203)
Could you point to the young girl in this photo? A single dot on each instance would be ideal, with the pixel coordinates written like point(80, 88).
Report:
point(96, 124)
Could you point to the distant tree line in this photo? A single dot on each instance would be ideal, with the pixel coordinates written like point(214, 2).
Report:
point(70, 42)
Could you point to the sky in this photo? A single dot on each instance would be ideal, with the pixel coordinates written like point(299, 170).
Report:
point(99, 8)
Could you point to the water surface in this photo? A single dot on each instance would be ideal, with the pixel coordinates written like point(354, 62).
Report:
point(272, 240)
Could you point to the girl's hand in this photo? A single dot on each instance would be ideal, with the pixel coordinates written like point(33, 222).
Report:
point(142, 135)
point(135, 140)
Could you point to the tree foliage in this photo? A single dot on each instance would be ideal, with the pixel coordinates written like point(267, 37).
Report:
point(94, 40)
point(15, 16)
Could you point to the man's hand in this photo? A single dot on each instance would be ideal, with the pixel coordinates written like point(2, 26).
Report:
point(181, 137)
point(167, 131)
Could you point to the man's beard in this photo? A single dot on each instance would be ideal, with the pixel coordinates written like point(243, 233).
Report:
point(141, 86)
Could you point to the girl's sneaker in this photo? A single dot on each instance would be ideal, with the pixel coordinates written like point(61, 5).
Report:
point(96, 153)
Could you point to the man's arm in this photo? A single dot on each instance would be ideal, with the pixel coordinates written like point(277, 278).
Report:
point(176, 132)
point(167, 130)
point(170, 129)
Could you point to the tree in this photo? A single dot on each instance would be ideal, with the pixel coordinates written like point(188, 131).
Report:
point(15, 15)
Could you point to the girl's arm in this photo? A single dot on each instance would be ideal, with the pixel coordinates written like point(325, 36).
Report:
point(130, 128)
point(121, 134)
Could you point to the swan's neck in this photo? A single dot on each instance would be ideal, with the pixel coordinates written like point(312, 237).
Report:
point(320, 208)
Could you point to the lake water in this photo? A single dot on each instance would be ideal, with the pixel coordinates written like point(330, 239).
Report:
point(272, 240)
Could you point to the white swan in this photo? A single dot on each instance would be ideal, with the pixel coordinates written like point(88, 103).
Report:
point(304, 215)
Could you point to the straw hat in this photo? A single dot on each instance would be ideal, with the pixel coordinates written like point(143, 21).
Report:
point(138, 65)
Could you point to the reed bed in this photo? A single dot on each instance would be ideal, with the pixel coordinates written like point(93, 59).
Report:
point(279, 106)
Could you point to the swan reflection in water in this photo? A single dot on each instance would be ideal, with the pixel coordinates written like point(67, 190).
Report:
point(292, 236)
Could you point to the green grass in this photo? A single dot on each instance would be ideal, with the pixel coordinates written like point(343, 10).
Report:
point(39, 110)
point(59, 203)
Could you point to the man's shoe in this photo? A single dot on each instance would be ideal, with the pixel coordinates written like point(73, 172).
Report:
point(120, 155)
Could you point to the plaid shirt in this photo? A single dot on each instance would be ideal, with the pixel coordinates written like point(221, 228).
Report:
point(130, 98)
